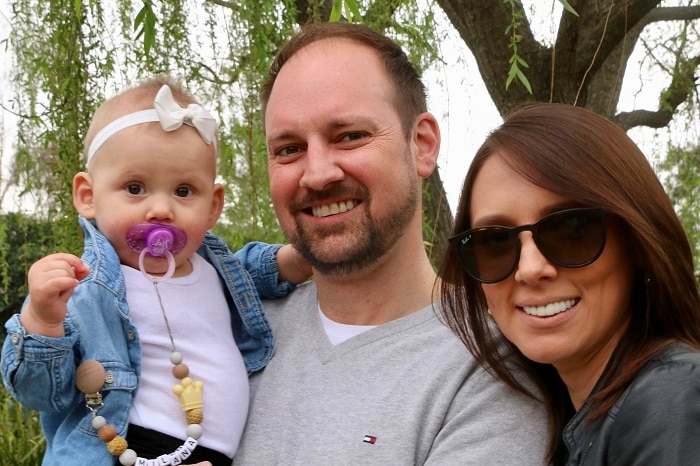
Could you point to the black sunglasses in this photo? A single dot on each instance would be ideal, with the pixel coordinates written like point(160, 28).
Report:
point(568, 238)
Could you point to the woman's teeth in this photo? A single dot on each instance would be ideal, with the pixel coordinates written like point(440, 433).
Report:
point(549, 309)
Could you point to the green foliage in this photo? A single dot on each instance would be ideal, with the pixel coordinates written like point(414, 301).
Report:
point(567, 6)
point(682, 182)
point(89, 50)
point(348, 9)
point(428, 230)
point(55, 95)
point(22, 442)
point(23, 241)
point(145, 25)
point(516, 61)
point(683, 82)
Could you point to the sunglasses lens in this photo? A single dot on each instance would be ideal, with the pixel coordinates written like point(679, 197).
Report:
point(572, 238)
point(489, 254)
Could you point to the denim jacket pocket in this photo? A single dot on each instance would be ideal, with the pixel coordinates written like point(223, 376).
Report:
point(117, 398)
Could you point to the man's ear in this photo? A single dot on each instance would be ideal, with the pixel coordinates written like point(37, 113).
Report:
point(83, 195)
point(217, 204)
point(426, 139)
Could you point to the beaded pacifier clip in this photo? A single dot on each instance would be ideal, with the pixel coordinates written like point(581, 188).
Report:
point(156, 240)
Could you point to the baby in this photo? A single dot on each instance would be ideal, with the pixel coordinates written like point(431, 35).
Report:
point(158, 294)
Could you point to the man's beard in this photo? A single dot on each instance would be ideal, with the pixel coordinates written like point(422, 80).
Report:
point(374, 237)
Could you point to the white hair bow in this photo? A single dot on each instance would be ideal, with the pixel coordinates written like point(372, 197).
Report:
point(172, 116)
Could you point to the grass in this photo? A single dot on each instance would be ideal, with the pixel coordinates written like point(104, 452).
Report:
point(21, 440)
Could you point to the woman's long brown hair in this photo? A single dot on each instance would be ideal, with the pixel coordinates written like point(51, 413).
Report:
point(582, 156)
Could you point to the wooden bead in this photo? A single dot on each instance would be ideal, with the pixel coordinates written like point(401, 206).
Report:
point(181, 371)
point(194, 416)
point(107, 433)
point(117, 446)
point(90, 376)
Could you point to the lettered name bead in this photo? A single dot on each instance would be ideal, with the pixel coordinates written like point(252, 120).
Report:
point(183, 452)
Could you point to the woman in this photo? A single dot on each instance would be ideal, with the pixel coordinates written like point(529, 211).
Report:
point(566, 240)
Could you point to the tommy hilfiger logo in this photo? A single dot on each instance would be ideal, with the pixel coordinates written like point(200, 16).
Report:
point(370, 439)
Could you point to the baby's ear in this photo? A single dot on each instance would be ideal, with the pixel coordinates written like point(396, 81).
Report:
point(83, 195)
point(217, 204)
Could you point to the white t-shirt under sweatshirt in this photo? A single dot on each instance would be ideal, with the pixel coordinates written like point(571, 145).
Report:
point(200, 322)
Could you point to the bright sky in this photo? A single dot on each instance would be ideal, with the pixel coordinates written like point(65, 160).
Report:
point(459, 100)
point(467, 114)
point(457, 97)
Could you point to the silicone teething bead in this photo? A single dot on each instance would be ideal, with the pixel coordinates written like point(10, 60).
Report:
point(176, 358)
point(98, 422)
point(159, 240)
point(128, 458)
point(194, 431)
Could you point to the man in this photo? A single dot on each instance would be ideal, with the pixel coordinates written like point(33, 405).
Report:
point(364, 371)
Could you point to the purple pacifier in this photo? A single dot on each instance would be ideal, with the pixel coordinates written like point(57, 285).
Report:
point(157, 240)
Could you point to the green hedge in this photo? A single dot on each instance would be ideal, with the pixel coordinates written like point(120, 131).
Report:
point(21, 441)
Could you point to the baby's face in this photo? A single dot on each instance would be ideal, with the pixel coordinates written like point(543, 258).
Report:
point(143, 174)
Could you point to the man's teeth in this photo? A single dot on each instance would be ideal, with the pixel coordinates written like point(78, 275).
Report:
point(549, 309)
point(334, 208)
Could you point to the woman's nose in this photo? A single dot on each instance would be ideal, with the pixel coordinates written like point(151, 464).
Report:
point(532, 264)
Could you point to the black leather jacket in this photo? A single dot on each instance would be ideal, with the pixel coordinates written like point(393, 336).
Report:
point(655, 422)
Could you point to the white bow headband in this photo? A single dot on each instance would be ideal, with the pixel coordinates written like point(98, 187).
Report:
point(170, 115)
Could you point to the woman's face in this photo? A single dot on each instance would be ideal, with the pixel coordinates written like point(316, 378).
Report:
point(589, 306)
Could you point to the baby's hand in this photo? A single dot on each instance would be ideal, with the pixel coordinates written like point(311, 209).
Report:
point(51, 282)
point(292, 266)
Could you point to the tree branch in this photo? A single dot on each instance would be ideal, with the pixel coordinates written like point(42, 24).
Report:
point(682, 84)
point(231, 5)
point(649, 118)
point(678, 13)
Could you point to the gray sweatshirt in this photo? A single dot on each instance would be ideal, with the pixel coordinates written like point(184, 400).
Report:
point(404, 393)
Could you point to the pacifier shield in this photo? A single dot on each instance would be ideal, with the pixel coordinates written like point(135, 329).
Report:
point(156, 239)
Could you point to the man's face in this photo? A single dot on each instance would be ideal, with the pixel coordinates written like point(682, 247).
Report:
point(342, 172)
